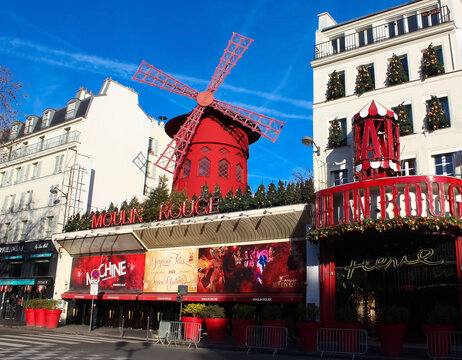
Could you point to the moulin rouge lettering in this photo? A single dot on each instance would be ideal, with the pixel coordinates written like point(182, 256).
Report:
point(187, 208)
point(109, 270)
point(116, 218)
point(384, 263)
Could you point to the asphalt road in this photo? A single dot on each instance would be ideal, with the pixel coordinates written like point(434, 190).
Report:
point(22, 344)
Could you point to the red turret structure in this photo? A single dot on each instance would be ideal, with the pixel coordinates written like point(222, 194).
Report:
point(376, 142)
point(214, 135)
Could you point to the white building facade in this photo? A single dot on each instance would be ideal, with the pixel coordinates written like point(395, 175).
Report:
point(406, 31)
point(71, 160)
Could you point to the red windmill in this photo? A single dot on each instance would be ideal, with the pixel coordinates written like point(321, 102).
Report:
point(211, 144)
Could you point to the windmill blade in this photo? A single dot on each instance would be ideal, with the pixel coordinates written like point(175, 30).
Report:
point(148, 74)
point(234, 51)
point(176, 150)
point(265, 126)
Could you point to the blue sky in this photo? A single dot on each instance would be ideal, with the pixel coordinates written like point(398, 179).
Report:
point(55, 47)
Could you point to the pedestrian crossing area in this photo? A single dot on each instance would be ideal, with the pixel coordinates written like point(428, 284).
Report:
point(49, 345)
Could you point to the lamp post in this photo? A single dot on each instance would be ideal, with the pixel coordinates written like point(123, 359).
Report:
point(308, 141)
point(54, 190)
point(321, 166)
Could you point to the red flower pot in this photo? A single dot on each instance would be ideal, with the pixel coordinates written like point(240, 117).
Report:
point(30, 317)
point(216, 329)
point(191, 330)
point(52, 318)
point(39, 317)
point(439, 345)
point(307, 332)
point(349, 342)
point(273, 338)
point(391, 338)
point(240, 328)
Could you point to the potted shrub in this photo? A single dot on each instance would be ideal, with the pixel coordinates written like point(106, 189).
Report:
point(39, 312)
point(195, 312)
point(52, 314)
point(392, 328)
point(243, 316)
point(29, 306)
point(272, 316)
point(307, 325)
point(440, 319)
point(347, 318)
point(216, 322)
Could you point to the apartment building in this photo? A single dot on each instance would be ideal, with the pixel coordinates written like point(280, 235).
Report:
point(93, 151)
point(370, 41)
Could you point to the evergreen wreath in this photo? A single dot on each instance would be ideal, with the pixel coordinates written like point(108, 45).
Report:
point(436, 119)
point(336, 136)
point(364, 81)
point(431, 65)
point(404, 123)
point(335, 88)
point(396, 72)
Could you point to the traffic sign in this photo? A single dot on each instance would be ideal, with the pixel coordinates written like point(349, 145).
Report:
point(94, 289)
point(95, 274)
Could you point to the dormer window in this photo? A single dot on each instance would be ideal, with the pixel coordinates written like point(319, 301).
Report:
point(15, 130)
point(70, 110)
point(30, 124)
point(46, 119)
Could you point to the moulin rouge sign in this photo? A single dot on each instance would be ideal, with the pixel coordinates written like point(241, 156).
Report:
point(406, 196)
point(174, 210)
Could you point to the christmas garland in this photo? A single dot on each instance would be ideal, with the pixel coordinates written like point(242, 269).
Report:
point(449, 224)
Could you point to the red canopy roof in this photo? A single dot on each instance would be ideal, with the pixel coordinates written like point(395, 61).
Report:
point(374, 108)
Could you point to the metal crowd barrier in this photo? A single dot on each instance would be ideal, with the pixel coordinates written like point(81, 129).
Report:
point(341, 341)
point(266, 338)
point(184, 333)
point(444, 344)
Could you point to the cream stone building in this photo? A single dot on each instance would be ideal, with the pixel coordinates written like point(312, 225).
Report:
point(406, 31)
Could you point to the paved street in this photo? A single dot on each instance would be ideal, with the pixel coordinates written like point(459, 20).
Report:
point(16, 344)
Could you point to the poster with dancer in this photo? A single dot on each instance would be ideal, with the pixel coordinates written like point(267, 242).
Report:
point(270, 267)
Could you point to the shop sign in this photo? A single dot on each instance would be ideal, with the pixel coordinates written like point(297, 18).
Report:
point(17, 282)
point(44, 255)
point(43, 282)
point(11, 248)
point(117, 272)
point(383, 263)
point(407, 196)
point(190, 208)
point(116, 218)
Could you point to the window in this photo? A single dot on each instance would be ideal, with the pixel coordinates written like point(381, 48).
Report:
point(49, 226)
point(224, 151)
point(408, 167)
point(204, 167)
point(23, 230)
point(46, 119)
point(41, 268)
point(58, 164)
point(338, 44)
point(403, 61)
point(14, 269)
point(70, 110)
point(439, 54)
point(223, 169)
point(370, 69)
point(28, 200)
point(365, 36)
point(187, 169)
point(35, 170)
point(444, 164)
point(18, 175)
point(30, 123)
point(412, 23)
point(205, 149)
point(41, 143)
point(5, 232)
point(337, 133)
point(52, 199)
point(11, 203)
point(239, 172)
point(2, 178)
point(339, 177)
point(15, 130)
point(408, 127)
point(445, 106)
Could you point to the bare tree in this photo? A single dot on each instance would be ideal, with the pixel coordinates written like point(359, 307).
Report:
point(10, 96)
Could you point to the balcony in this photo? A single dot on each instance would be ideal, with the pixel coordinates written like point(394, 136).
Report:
point(7, 155)
point(392, 29)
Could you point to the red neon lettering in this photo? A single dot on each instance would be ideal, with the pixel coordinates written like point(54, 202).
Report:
point(122, 218)
point(384, 201)
point(106, 217)
point(97, 220)
point(200, 208)
point(346, 206)
point(135, 216)
point(359, 206)
point(171, 210)
point(440, 198)
point(455, 207)
point(214, 204)
point(163, 211)
point(418, 200)
point(191, 209)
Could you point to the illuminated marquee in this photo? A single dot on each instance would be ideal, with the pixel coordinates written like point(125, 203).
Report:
point(115, 218)
point(187, 208)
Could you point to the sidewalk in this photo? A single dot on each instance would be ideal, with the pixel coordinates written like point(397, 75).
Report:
point(410, 351)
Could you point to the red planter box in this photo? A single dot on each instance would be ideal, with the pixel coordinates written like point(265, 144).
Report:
point(273, 338)
point(216, 329)
point(191, 330)
point(349, 342)
point(39, 317)
point(439, 345)
point(52, 318)
point(307, 332)
point(391, 338)
point(30, 317)
point(239, 329)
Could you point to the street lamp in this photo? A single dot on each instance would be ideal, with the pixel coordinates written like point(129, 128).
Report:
point(308, 141)
point(54, 190)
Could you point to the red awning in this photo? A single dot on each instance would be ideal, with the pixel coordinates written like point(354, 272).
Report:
point(225, 297)
point(102, 295)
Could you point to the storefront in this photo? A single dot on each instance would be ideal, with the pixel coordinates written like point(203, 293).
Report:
point(27, 270)
point(256, 256)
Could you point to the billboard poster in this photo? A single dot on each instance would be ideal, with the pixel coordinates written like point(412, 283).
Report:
point(166, 269)
point(117, 272)
point(272, 267)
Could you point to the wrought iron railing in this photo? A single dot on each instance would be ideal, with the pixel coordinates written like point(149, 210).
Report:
point(383, 32)
point(7, 155)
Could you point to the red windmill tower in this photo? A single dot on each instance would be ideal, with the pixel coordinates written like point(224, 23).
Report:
point(211, 144)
